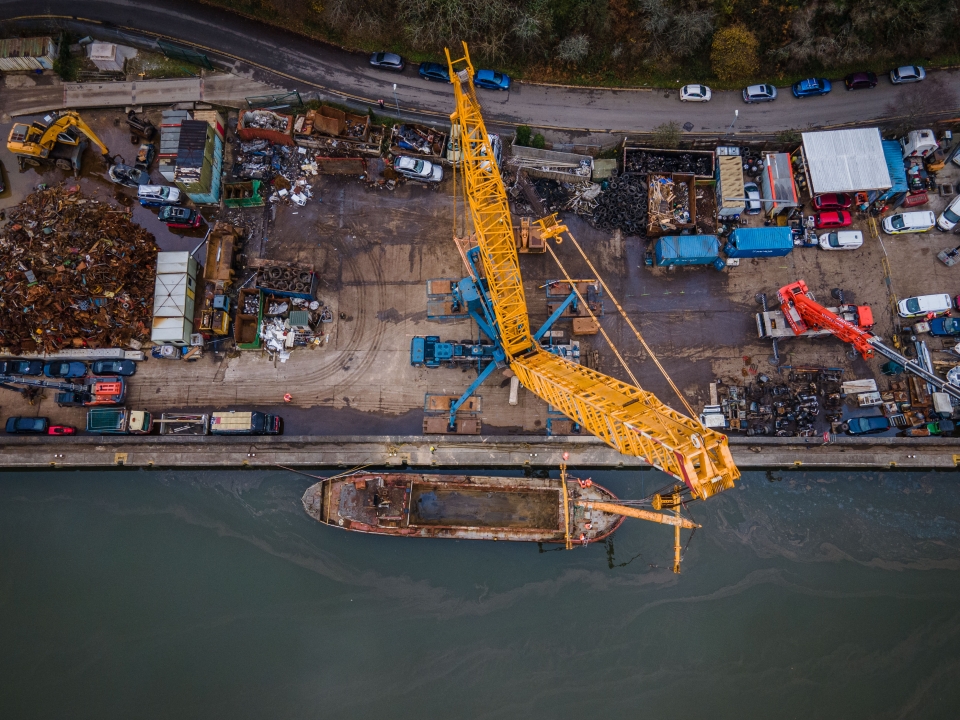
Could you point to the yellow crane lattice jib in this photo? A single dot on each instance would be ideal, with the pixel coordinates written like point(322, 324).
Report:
point(490, 213)
point(631, 420)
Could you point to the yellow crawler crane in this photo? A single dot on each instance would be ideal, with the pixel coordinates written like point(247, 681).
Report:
point(626, 417)
point(60, 142)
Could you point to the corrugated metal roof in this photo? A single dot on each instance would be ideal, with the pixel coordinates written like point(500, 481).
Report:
point(898, 173)
point(193, 144)
point(762, 238)
point(779, 189)
point(27, 54)
point(846, 160)
point(731, 181)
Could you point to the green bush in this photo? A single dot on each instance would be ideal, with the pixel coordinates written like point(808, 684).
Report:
point(539, 142)
point(667, 135)
point(523, 135)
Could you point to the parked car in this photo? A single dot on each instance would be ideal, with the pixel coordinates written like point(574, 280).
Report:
point(158, 195)
point(21, 367)
point(177, 216)
point(909, 222)
point(759, 93)
point(61, 430)
point(145, 156)
point(923, 305)
point(811, 87)
point(841, 240)
point(128, 176)
point(869, 425)
point(832, 219)
point(860, 80)
point(126, 368)
point(945, 326)
point(416, 169)
point(387, 61)
point(64, 369)
point(833, 201)
point(753, 195)
point(950, 216)
point(434, 71)
point(695, 93)
point(27, 425)
point(907, 74)
point(491, 80)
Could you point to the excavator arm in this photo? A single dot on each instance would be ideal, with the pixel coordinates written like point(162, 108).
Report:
point(624, 416)
point(802, 311)
point(37, 141)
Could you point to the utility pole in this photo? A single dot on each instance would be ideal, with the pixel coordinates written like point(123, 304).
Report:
point(398, 102)
point(736, 114)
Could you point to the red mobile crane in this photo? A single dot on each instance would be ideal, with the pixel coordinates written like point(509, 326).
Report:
point(803, 312)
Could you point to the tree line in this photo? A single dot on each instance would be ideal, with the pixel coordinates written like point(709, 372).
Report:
point(741, 38)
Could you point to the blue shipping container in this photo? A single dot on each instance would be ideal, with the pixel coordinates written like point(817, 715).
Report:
point(759, 242)
point(687, 250)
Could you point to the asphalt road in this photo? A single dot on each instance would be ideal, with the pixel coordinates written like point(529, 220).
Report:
point(308, 65)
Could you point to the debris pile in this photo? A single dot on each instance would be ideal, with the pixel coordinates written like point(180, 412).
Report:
point(76, 273)
point(651, 161)
point(423, 140)
point(265, 120)
point(623, 206)
point(669, 205)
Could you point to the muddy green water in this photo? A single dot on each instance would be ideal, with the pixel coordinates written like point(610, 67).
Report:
point(212, 595)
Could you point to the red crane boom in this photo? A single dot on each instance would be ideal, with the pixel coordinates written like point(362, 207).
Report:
point(803, 312)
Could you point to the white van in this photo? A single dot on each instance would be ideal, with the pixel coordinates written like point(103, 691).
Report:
point(158, 195)
point(909, 222)
point(923, 304)
point(841, 240)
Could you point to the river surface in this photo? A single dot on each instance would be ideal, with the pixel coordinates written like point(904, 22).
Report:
point(162, 594)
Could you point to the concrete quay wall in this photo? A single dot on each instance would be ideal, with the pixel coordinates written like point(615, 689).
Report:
point(474, 452)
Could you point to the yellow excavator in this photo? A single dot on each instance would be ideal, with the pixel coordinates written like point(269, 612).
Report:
point(60, 142)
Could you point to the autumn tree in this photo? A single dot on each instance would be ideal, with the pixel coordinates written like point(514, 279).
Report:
point(734, 53)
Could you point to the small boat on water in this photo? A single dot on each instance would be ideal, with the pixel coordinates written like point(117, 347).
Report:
point(465, 507)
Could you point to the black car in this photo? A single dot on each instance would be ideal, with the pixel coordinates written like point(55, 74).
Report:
point(21, 367)
point(24, 425)
point(434, 71)
point(64, 369)
point(388, 61)
point(860, 80)
point(126, 368)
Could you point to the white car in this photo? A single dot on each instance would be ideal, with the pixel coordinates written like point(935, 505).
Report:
point(923, 304)
point(907, 74)
point(414, 169)
point(695, 93)
point(950, 216)
point(841, 240)
point(753, 203)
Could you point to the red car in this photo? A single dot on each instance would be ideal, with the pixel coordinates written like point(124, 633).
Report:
point(833, 201)
point(832, 219)
point(61, 430)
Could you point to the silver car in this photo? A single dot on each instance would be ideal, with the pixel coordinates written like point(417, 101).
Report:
point(387, 61)
point(759, 93)
point(753, 198)
point(416, 169)
point(907, 74)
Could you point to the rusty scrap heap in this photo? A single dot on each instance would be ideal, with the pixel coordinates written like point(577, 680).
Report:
point(76, 273)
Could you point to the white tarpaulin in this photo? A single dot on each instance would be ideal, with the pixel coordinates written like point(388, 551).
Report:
point(846, 160)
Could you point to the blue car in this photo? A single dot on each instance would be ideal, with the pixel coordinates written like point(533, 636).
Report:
point(434, 71)
point(811, 87)
point(491, 80)
point(64, 369)
point(867, 425)
point(945, 327)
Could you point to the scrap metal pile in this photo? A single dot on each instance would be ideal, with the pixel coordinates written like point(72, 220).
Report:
point(75, 273)
point(669, 203)
point(623, 206)
point(651, 161)
point(265, 120)
point(287, 168)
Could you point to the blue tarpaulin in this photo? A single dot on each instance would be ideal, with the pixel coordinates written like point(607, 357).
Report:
point(898, 173)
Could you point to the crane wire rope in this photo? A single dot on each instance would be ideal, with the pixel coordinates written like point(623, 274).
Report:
point(629, 323)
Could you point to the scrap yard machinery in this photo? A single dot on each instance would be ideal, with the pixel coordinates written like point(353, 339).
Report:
point(61, 141)
point(84, 393)
point(623, 415)
point(803, 313)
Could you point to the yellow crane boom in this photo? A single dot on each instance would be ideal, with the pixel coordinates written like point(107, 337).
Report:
point(626, 417)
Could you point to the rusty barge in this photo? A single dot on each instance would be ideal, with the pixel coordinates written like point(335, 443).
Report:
point(465, 507)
